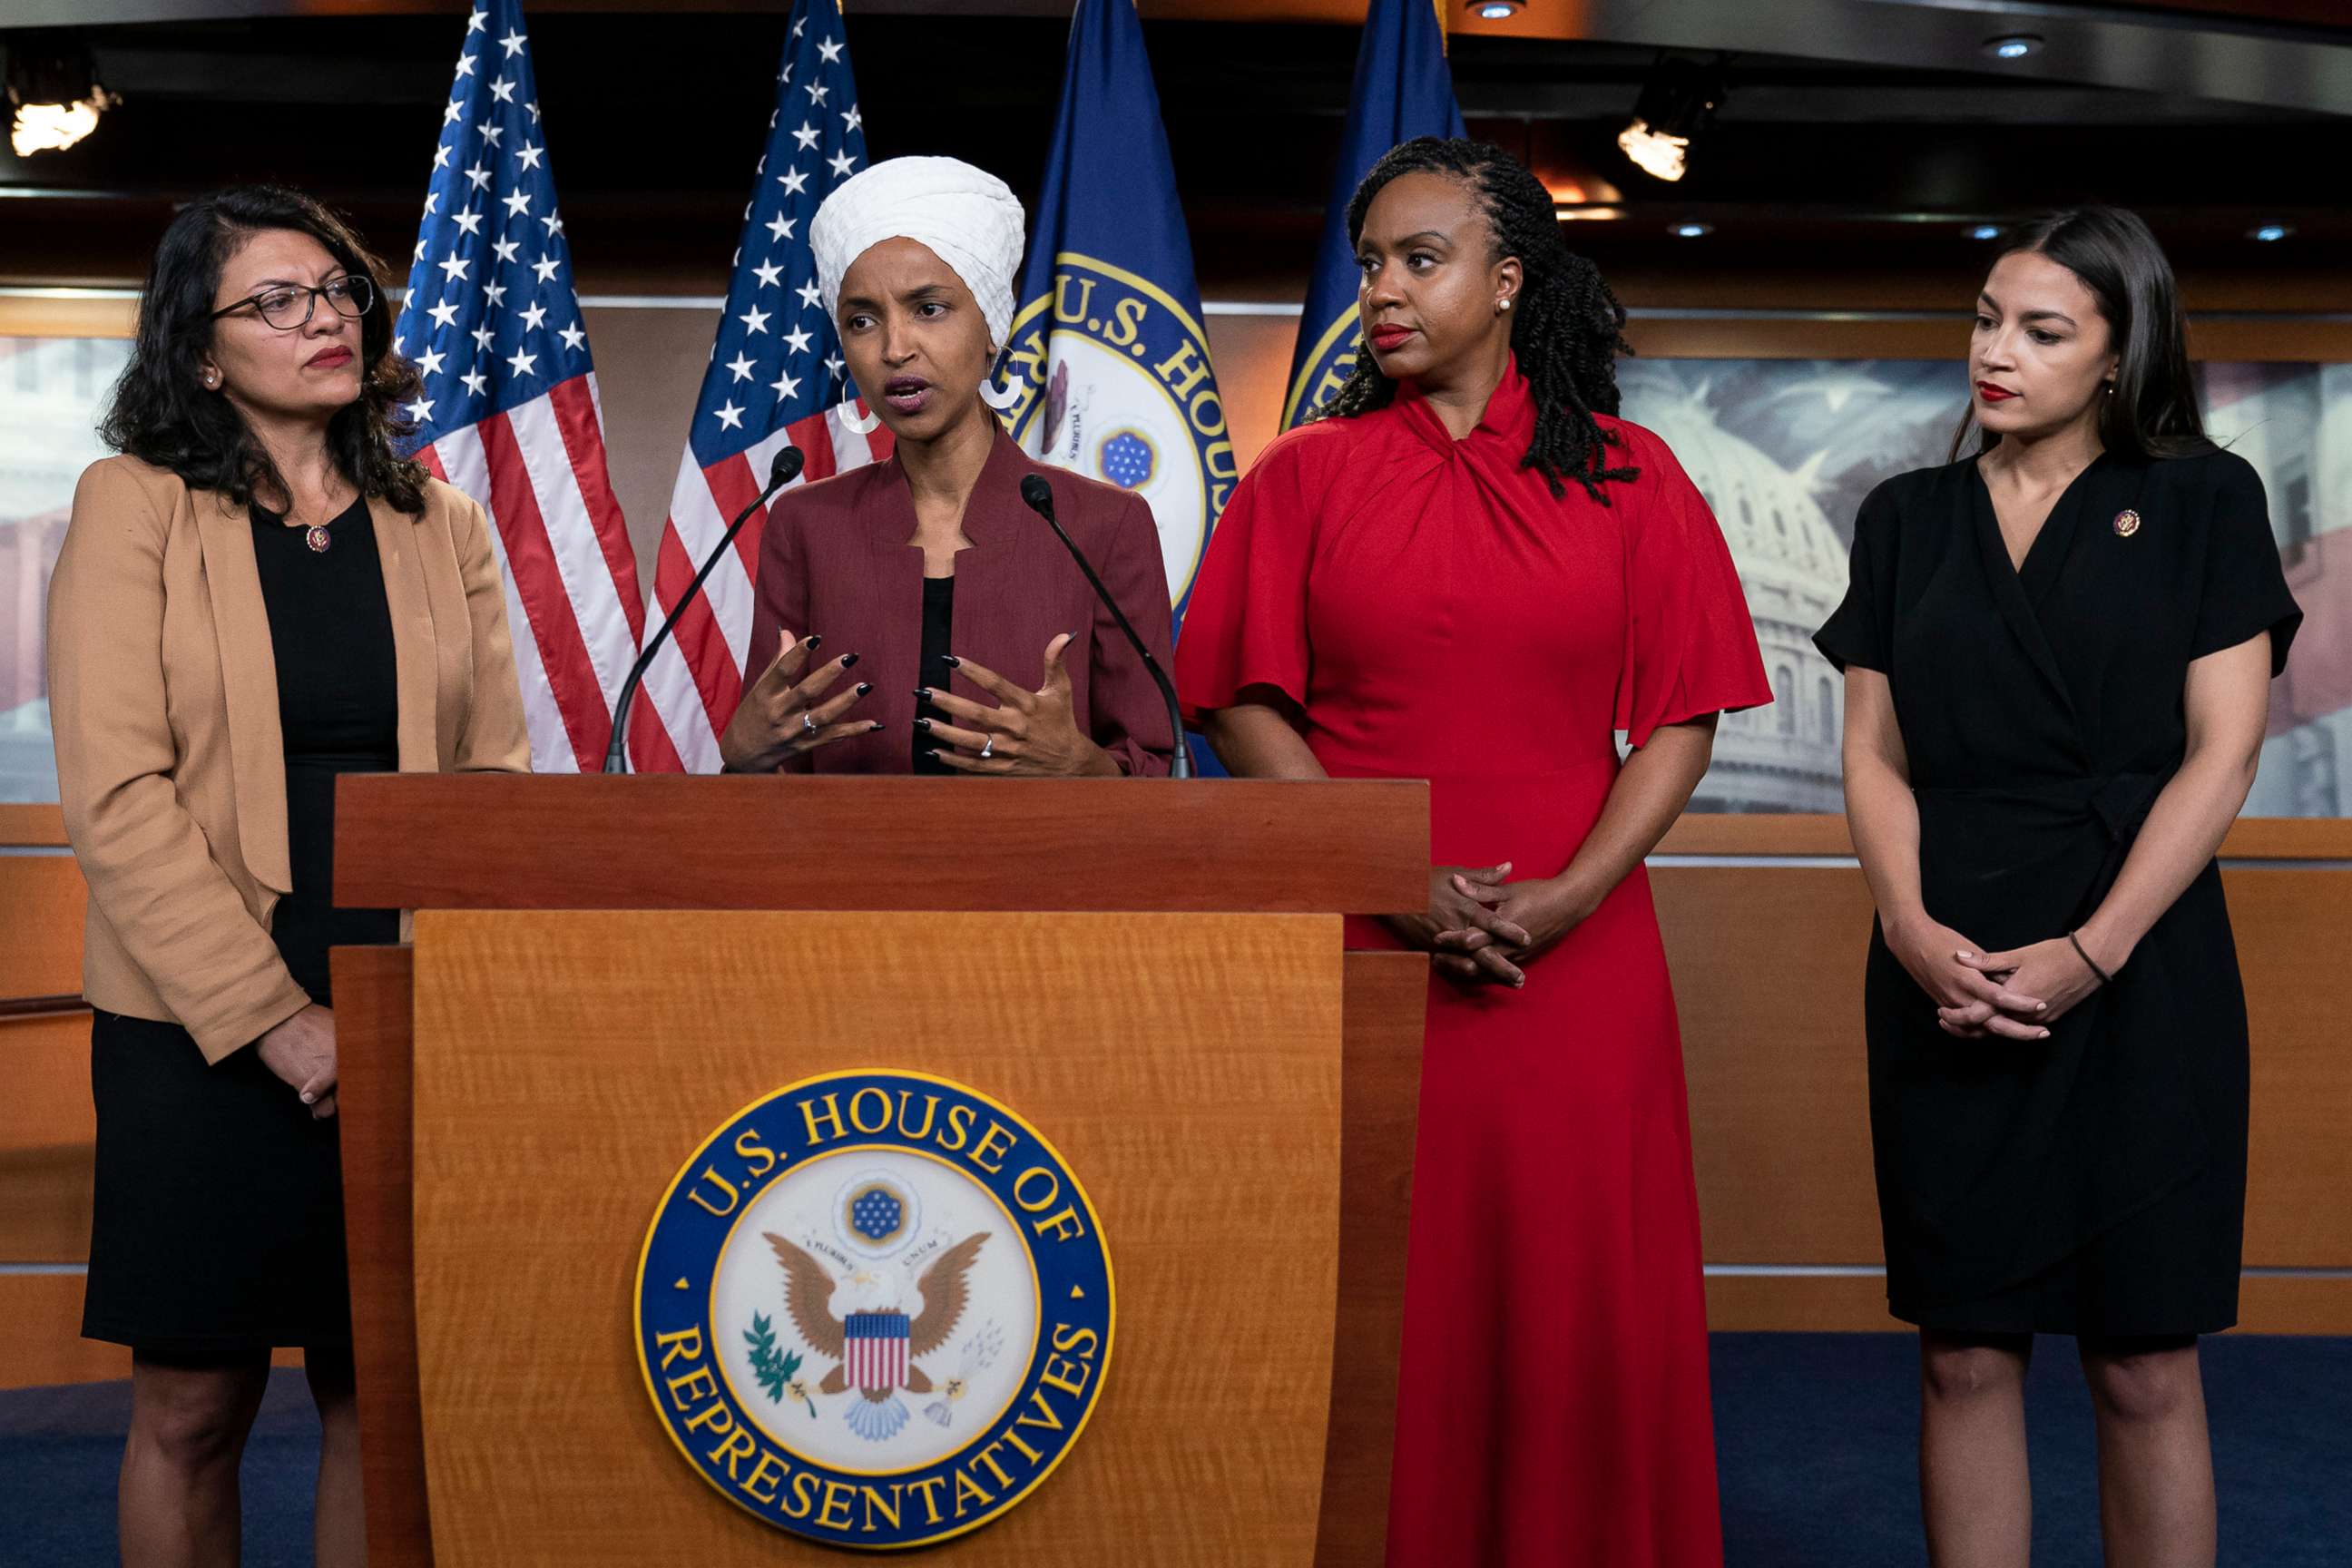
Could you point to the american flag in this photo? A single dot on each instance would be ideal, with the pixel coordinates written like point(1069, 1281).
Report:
point(776, 376)
point(509, 413)
point(873, 1348)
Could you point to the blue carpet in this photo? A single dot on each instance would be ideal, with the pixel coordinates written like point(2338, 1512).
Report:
point(60, 1449)
point(1816, 1436)
point(1817, 1443)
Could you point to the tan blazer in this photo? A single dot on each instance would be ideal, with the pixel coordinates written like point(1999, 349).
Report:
point(163, 699)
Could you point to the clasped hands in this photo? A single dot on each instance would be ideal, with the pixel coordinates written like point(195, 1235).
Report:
point(1482, 928)
point(301, 1051)
point(2011, 995)
point(788, 712)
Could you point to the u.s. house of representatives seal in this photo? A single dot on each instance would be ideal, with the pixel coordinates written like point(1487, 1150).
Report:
point(1109, 375)
point(874, 1309)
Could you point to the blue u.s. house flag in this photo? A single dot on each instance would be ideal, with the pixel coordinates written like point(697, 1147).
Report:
point(1402, 91)
point(1107, 369)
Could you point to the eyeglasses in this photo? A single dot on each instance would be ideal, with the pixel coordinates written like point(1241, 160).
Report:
point(290, 306)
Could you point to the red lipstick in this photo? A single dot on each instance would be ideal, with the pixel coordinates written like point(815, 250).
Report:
point(1986, 392)
point(1388, 336)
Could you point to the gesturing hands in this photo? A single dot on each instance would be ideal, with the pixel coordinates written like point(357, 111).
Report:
point(1032, 734)
point(784, 714)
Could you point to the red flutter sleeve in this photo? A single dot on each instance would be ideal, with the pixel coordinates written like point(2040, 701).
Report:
point(1690, 645)
point(1247, 622)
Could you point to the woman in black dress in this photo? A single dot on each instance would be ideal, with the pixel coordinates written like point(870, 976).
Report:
point(259, 595)
point(2057, 654)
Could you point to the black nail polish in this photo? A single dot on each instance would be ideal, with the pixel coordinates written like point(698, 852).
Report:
point(924, 725)
point(953, 662)
point(864, 687)
point(847, 660)
point(875, 725)
point(812, 644)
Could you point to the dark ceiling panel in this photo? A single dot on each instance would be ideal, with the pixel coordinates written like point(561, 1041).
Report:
point(654, 121)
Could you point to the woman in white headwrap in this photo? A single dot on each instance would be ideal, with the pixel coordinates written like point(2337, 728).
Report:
point(976, 643)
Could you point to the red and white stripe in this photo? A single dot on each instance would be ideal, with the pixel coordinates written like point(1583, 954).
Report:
point(573, 609)
point(875, 1361)
point(696, 679)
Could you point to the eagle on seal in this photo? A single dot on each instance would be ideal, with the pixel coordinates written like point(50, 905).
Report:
point(809, 1291)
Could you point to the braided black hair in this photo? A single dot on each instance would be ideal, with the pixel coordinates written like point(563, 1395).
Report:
point(1568, 329)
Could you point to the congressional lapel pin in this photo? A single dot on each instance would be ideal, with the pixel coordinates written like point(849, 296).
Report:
point(2127, 523)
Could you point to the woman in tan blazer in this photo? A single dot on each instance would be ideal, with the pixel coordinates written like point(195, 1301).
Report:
point(258, 595)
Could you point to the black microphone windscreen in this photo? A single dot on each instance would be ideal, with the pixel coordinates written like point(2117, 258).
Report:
point(1038, 494)
point(786, 468)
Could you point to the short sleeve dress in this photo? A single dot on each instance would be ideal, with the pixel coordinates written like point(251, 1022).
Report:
point(2093, 1183)
point(1436, 612)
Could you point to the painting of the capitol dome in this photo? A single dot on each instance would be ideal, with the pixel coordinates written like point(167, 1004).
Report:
point(1768, 452)
point(1785, 450)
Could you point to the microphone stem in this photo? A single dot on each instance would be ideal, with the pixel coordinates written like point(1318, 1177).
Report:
point(616, 755)
point(1179, 761)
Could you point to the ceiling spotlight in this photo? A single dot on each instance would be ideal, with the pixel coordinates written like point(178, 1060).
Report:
point(1495, 10)
point(1985, 231)
point(1691, 230)
point(2013, 45)
point(1675, 110)
point(2270, 232)
point(53, 93)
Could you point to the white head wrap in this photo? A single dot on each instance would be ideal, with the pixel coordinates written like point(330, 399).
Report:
point(969, 217)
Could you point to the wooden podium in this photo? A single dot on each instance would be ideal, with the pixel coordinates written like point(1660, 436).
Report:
point(1151, 975)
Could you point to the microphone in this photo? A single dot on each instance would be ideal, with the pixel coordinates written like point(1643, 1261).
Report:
point(1039, 495)
point(781, 472)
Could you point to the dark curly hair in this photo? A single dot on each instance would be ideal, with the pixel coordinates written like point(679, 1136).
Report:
point(161, 413)
point(1568, 330)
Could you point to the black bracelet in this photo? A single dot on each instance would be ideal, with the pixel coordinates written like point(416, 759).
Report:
point(2105, 977)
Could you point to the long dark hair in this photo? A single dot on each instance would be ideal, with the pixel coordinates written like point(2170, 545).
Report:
point(2152, 413)
point(1568, 329)
point(160, 412)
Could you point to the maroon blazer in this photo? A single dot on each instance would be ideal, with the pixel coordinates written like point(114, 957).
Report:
point(838, 558)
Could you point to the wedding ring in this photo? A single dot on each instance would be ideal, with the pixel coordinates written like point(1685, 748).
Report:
point(808, 724)
point(988, 748)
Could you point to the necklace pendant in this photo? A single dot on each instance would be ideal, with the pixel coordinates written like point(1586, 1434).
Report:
point(317, 537)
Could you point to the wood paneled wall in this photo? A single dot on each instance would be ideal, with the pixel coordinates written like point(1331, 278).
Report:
point(1766, 956)
point(47, 1126)
point(1768, 961)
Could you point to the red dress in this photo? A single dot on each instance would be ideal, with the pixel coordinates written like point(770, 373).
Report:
point(1436, 612)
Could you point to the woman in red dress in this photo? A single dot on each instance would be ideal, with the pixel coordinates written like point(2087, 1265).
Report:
point(1473, 572)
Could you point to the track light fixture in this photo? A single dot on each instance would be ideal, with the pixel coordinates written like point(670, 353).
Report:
point(1676, 107)
point(53, 93)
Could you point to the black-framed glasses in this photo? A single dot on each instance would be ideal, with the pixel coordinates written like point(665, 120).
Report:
point(290, 306)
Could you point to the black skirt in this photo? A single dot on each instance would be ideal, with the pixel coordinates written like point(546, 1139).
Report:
point(217, 1229)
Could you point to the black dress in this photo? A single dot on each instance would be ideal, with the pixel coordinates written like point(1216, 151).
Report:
point(217, 1229)
point(2092, 1184)
point(939, 626)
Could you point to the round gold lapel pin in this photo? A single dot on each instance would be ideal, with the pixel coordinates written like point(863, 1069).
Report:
point(2127, 524)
